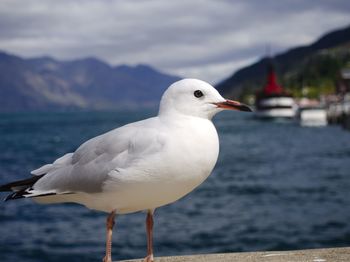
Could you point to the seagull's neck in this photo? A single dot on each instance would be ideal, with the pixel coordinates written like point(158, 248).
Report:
point(174, 111)
point(176, 119)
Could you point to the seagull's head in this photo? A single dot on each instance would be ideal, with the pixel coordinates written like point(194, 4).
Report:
point(194, 97)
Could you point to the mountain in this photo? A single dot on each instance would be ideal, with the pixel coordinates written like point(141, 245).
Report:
point(313, 65)
point(48, 84)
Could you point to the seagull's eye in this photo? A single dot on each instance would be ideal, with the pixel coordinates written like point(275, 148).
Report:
point(198, 93)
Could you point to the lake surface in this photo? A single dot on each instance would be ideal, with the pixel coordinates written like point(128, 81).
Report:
point(276, 186)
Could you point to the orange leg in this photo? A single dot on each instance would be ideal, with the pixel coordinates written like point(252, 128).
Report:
point(109, 225)
point(149, 229)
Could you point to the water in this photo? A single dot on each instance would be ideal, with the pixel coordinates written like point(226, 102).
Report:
point(276, 186)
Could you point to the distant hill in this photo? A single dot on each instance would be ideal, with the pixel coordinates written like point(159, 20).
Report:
point(316, 65)
point(48, 84)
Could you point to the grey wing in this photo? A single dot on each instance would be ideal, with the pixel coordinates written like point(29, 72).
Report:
point(88, 167)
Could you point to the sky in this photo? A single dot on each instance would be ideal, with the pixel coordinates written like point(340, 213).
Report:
point(203, 39)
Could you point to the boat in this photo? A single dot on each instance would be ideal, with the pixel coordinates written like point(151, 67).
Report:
point(339, 106)
point(272, 101)
point(312, 116)
point(311, 112)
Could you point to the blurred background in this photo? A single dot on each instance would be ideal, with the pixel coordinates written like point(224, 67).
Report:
point(70, 70)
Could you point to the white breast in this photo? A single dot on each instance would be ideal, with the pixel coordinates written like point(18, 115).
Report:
point(182, 166)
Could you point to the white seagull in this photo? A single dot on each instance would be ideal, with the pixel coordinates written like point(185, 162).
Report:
point(139, 166)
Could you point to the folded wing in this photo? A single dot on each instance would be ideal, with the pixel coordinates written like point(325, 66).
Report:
point(87, 169)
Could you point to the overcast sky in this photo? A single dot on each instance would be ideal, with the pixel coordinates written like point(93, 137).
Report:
point(198, 38)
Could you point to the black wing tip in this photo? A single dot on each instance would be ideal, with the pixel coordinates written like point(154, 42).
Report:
point(22, 184)
point(4, 188)
point(19, 188)
point(26, 194)
point(13, 196)
point(22, 188)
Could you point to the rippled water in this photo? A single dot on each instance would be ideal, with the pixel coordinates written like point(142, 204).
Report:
point(276, 186)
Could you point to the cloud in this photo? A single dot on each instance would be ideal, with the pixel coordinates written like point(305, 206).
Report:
point(199, 38)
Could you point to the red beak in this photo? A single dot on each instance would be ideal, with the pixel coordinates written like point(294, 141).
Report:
point(233, 105)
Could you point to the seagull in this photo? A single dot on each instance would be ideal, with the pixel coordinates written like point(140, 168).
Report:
point(140, 166)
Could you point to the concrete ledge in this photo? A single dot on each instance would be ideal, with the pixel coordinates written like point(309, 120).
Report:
point(308, 255)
